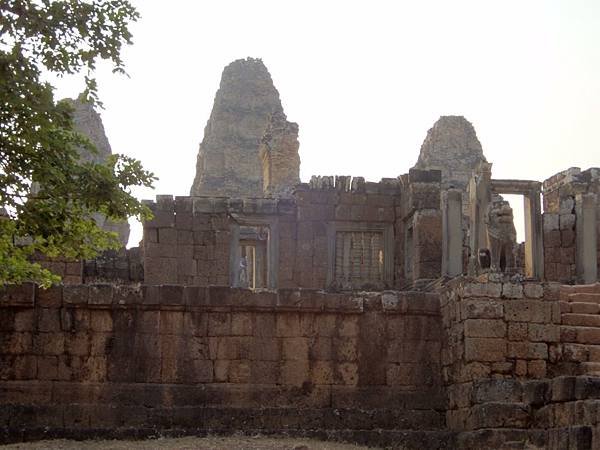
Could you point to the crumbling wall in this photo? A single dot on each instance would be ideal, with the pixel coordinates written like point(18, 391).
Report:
point(116, 359)
point(562, 192)
point(279, 155)
point(187, 241)
point(329, 207)
point(420, 227)
point(70, 271)
point(122, 266)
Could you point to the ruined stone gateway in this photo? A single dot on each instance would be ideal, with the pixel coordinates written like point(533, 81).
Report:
point(398, 313)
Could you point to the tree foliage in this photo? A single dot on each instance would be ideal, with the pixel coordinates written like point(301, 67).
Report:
point(38, 143)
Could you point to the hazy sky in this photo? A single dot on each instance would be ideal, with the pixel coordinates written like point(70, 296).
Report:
point(365, 81)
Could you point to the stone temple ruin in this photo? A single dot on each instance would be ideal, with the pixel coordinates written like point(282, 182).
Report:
point(399, 313)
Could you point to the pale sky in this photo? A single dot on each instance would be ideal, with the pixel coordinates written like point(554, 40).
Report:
point(364, 81)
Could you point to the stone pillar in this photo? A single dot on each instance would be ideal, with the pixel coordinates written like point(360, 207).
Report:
point(234, 256)
point(452, 233)
point(273, 255)
point(480, 195)
point(534, 250)
point(587, 258)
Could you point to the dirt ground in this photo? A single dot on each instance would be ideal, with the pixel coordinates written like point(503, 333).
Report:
point(188, 443)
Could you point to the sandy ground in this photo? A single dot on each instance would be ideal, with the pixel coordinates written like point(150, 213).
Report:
point(188, 443)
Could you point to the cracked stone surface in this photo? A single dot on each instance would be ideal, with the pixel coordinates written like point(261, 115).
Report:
point(228, 161)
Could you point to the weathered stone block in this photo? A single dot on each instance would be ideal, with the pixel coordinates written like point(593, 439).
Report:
point(485, 349)
point(481, 309)
point(345, 349)
point(101, 294)
point(537, 368)
point(295, 373)
point(528, 311)
point(101, 321)
point(563, 389)
point(76, 294)
point(48, 320)
point(533, 290)
point(567, 221)
point(552, 238)
point(485, 328)
point(295, 348)
point(242, 324)
point(517, 331)
point(493, 290)
point(527, 350)
point(346, 373)
point(550, 222)
point(219, 324)
point(499, 415)
point(496, 390)
point(321, 372)
point(543, 333)
point(50, 297)
point(171, 322)
point(512, 290)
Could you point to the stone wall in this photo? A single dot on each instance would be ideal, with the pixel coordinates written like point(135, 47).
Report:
point(87, 359)
point(562, 205)
point(419, 228)
point(187, 242)
point(122, 266)
point(511, 371)
point(335, 205)
point(192, 240)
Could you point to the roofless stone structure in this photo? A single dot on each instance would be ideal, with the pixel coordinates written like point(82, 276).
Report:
point(382, 313)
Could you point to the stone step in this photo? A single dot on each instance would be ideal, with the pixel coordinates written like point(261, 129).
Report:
point(566, 290)
point(583, 308)
point(579, 334)
point(581, 353)
point(590, 368)
point(584, 320)
point(584, 297)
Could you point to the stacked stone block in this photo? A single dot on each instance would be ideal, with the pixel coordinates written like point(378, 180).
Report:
point(559, 229)
point(421, 219)
point(336, 201)
point(187, 241)
point(112, 357)
point(561, 194)
point(123, 266)
point(505, 357)
point(496, 330)
point(70, 271)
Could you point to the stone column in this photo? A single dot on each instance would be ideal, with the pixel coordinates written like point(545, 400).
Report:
point(452, 233)
point(587, 258)
point(534, 250)
point(234, 256)
point(273, 255)
point(480, 195)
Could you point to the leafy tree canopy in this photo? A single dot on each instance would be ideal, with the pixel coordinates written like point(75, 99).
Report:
point(38, 143)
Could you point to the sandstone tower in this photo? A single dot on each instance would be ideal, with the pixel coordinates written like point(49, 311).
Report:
point(229, 163)
point(89, 123)
point(451, 146)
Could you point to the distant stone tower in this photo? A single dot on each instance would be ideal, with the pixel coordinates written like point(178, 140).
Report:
point(451, 146)
point(89, 123)
point(228, 161)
